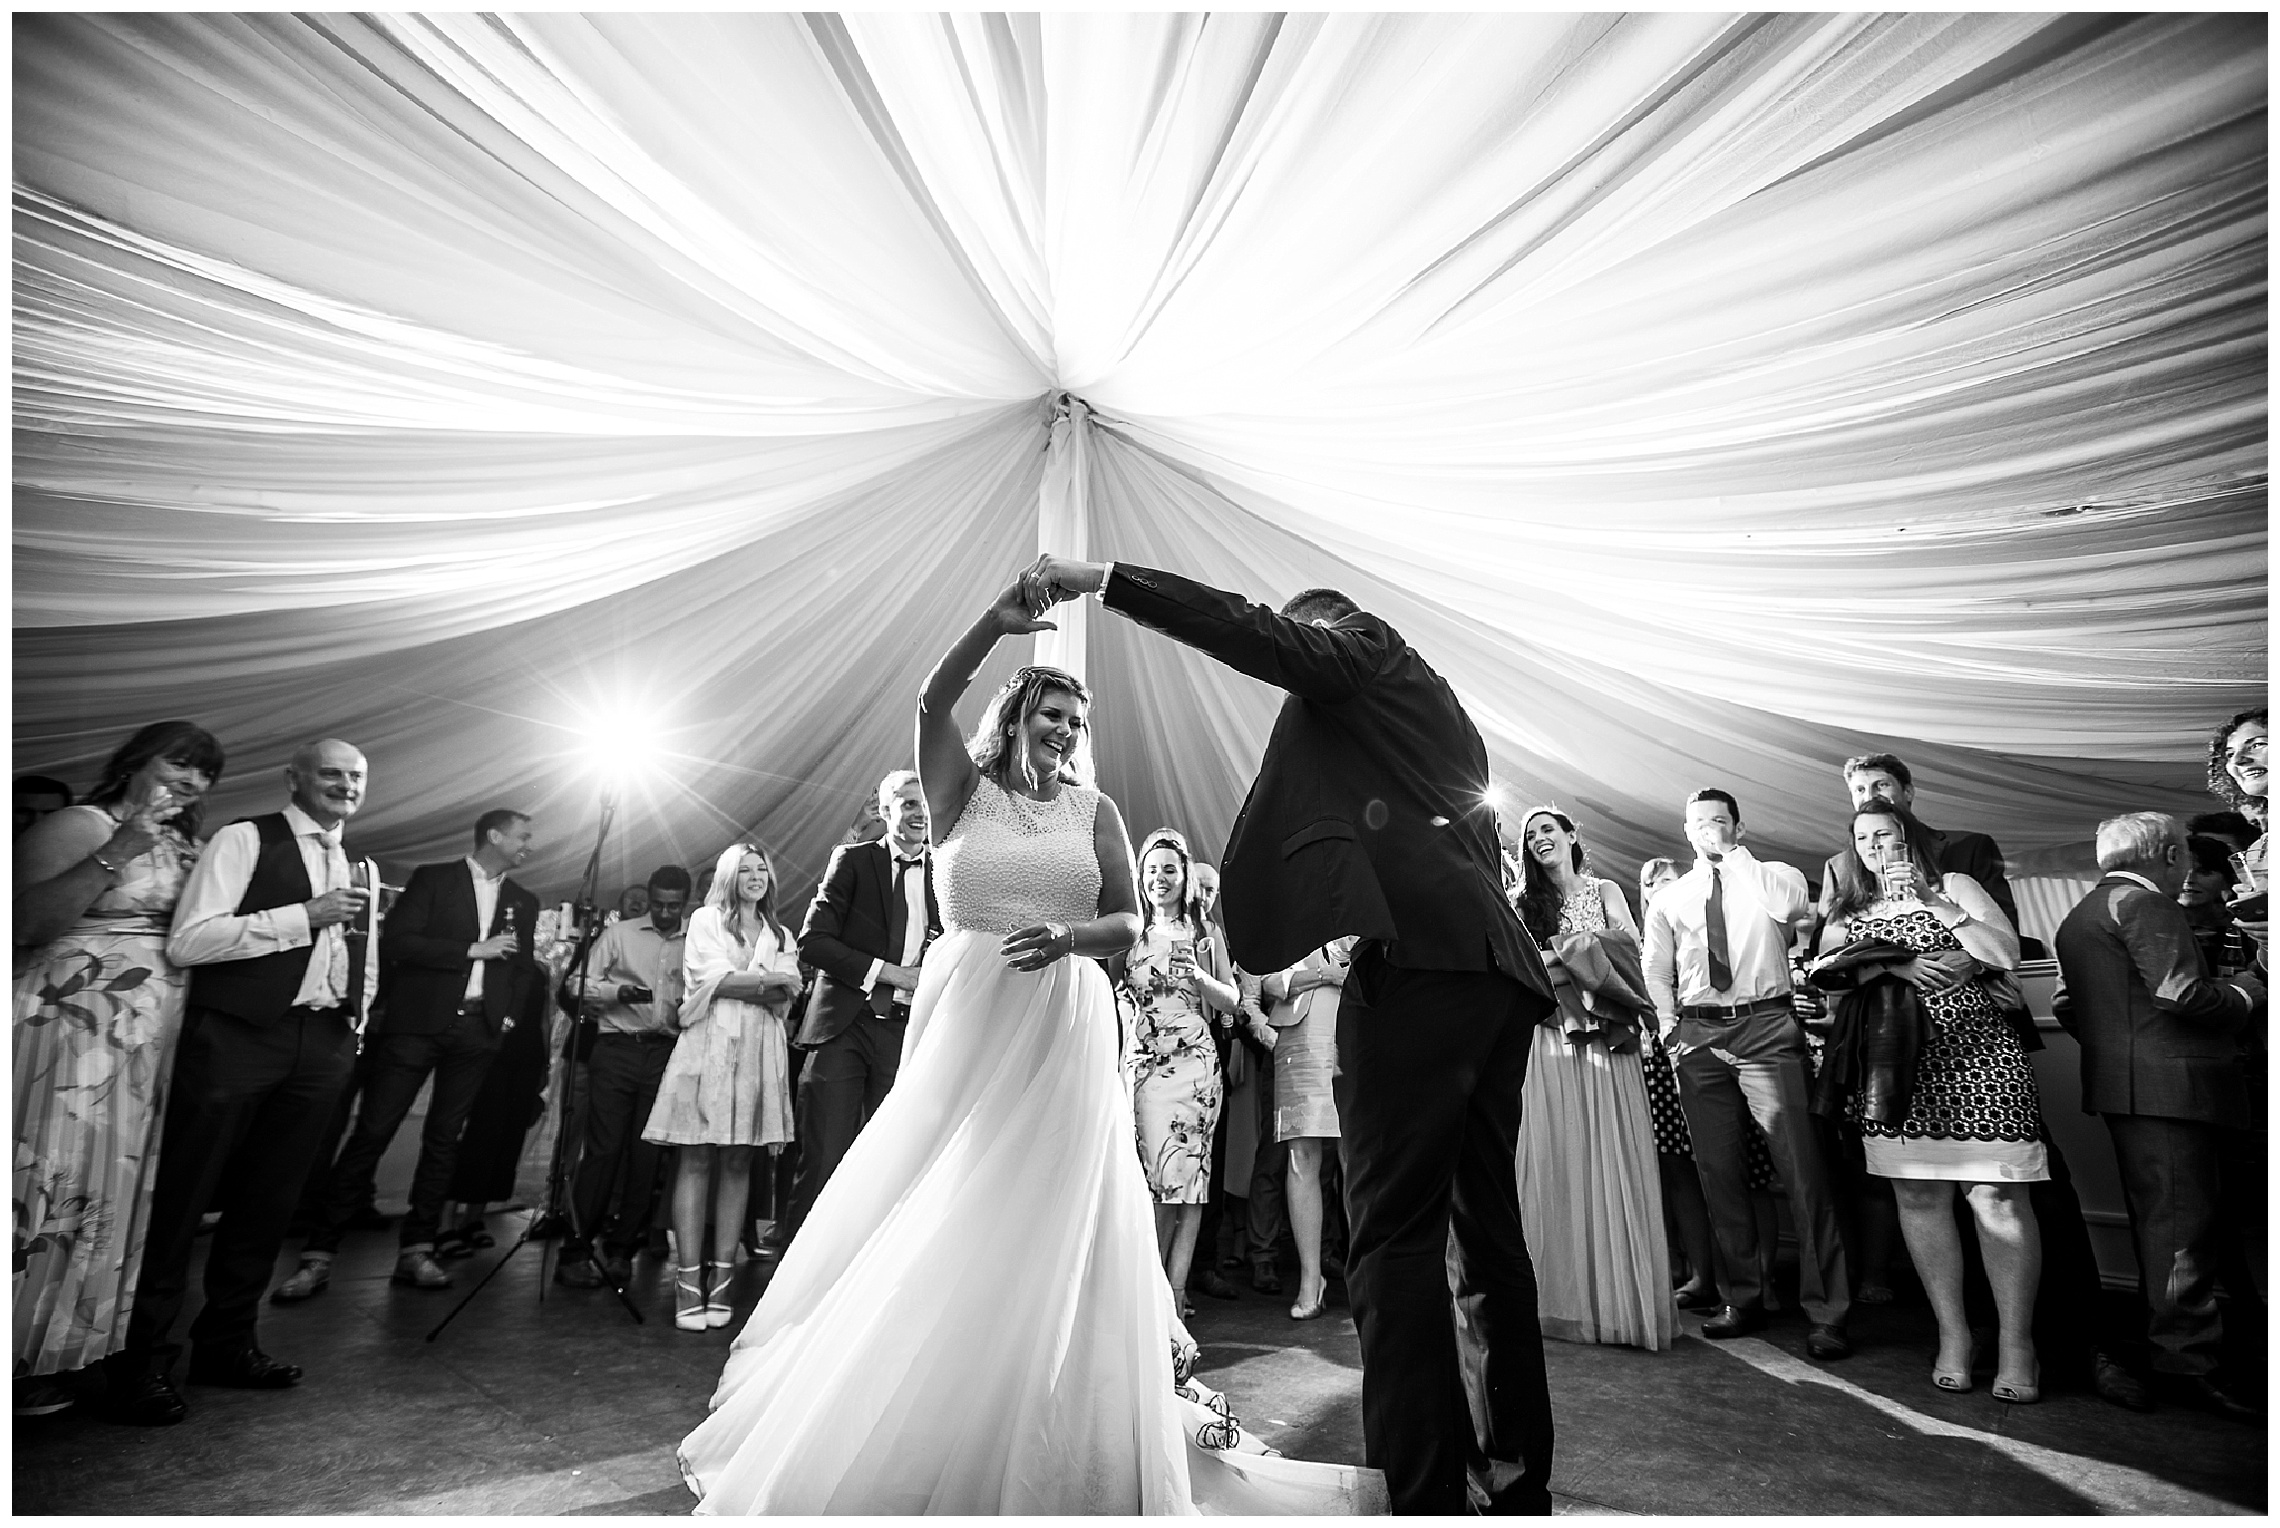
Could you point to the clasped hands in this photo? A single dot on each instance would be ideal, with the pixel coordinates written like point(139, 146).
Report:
point(1043, 584)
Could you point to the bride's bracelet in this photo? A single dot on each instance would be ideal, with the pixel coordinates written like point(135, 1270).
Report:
point(1061, 931)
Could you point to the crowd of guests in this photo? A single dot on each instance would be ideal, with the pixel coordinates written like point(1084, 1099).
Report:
point(242, 1023)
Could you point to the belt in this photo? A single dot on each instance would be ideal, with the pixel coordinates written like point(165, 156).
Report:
point(329, 1011)
point(471, 1006)
point(642, 1036)
point(1738, 1011)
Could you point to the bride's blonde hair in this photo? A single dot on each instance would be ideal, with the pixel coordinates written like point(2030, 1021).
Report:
point(991, 746)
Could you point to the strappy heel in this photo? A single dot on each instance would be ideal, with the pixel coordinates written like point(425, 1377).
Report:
point(718, 1311)
point(689, 1298)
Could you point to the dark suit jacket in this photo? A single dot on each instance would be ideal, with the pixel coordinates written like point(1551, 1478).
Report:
point(425, 940)
point(2159, 1035)
point(845, 930)
point(1972, 854)
point(1367, 816)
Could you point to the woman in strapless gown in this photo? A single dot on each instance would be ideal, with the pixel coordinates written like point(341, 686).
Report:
point(974, 1319)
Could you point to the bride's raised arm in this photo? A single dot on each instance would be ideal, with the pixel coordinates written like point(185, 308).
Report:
point(945, 770)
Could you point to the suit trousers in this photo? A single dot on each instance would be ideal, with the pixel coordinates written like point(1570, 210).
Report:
point(1455, 1407)
point(2172, 1178)
point(621, 1090)
point(244, 1115)
point(846, 1079)
point(1729, 1073)
point(1266, 1209)
point(394, 1067)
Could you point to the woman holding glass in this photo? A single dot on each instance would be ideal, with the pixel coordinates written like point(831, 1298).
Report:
point(727, 1086)
point(98, 1010)
point(1173, 980)
point(1973, 1115)
point(2238, 777)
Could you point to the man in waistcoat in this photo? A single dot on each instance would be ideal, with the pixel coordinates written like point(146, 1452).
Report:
point(282, 969)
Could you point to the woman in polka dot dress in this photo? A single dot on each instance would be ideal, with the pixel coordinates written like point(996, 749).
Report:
point(1973, 1114)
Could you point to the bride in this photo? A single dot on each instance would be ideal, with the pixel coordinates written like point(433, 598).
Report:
point(974, 1318)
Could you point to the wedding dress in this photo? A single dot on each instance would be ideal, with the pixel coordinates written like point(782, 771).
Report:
point(974, 1318)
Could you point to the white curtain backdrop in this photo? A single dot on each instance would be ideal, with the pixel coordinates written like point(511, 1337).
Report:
point(1708, 396)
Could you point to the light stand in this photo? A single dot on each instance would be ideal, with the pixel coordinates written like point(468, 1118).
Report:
point(561, 1205)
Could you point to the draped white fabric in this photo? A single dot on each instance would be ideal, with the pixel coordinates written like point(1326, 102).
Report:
point(1708, 396)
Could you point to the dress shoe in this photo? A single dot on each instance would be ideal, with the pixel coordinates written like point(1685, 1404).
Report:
point(41, 1396)
point(1214, 1283)
point(1704, 1298)
point(1733, 1321)
point(1333, 1266)
point(1265, 1280)
point(450, 1244)
point(2117, 1386)
point(243, 1369)
point(477, 1236)
point(2198, 1392)
point(1825, 1341)
point(578, 1273)
point(309, 1279)
point(148, 1399)
point(616, 1268)
point(419, 1270)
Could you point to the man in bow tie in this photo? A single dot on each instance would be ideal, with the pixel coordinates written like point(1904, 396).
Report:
point(278, 939)
point(870, 922)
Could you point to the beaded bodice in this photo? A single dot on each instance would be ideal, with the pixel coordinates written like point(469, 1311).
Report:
point(1009, 862)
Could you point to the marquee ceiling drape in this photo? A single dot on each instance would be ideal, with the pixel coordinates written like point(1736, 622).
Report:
point(1708, 396)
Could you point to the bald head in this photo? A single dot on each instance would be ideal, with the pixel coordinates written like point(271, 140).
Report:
point(326, 779)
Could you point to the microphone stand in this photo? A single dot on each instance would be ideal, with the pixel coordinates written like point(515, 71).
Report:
point(561, 1204)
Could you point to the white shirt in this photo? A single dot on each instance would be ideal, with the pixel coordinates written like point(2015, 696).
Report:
point(486, 908)
point(208, 928)
point(914, 908)
point(1765, 900)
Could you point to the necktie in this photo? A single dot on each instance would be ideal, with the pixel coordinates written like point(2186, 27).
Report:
point(898, 914)
point(336, 935)
point(1714, 917)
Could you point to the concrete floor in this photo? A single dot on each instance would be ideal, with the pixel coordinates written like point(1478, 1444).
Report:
point(564, 1405)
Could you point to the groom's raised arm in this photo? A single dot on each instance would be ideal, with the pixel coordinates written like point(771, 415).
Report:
point(1324, 663)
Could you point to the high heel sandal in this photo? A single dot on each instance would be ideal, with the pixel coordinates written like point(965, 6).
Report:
point(689, 1298)
point(1305, 1309)
point(1953, 1381)
point(2012, 1393)
point(718, 1310)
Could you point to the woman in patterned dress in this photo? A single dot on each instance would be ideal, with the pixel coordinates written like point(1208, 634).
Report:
point(727, 1087)
point(1973, 1113)
point(1590, 1197)
point(1173, 979)
point(98, 1010)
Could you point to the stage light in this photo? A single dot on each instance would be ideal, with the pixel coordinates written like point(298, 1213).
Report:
point(1494, 798)
point(619, 747)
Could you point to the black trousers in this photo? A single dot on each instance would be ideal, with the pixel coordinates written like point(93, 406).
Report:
point(2173, 1178)
point(1430, 1065)
point(847, 1078)
point(246, 1110)
point(506, 1106)
point(394, 1067)
point(311, 1209)
point(621, 1088)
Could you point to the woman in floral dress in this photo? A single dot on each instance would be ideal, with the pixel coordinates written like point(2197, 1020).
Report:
point(1172, 980)
point(98, 1009)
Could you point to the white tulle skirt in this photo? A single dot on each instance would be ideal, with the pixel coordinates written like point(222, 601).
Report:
point(973, 1318)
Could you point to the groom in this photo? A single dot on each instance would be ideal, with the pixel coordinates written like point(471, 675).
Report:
point(1368, 818)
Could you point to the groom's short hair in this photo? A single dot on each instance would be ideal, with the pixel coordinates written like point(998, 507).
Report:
point(1319, 605)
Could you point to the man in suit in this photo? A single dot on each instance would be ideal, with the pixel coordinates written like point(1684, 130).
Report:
point(282, 972)
point(873, 915)
point(1369, 817)
point(459, 943)
point(1717, 962)
point(2160, 1040)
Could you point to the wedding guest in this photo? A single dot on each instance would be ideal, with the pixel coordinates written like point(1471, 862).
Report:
point(2205, 896)
point(1245, 1059)
point(1969, 1113)
point(278, 993)
point(510, 1101)
point(458, 945)
point(727, 1086)
point(1303, 1008)
point(1883, 777)
point(98, 1011)
point(2238, 777)
point(632, 990)
point(1718, 968)
point(866, 929)
point(632, 904)
point(1683, 1209)
point(1588, 1185)
point(38, 796)
point(1174, 978)
point(2160, 1041)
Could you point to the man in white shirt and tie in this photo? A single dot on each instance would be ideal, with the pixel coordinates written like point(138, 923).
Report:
point(1718, 966)
point(867, 928)
point(283, 969)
